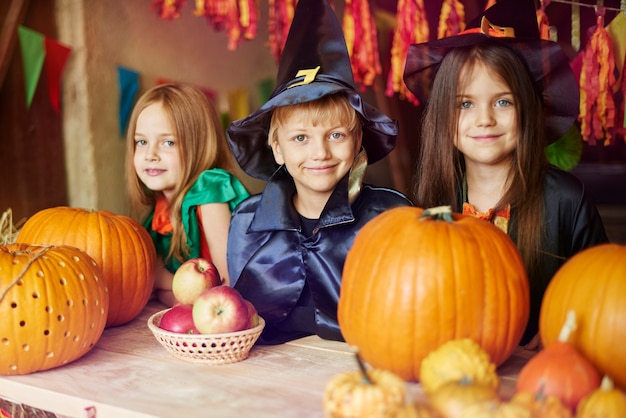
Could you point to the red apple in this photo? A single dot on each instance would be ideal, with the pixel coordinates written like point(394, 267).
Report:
point(253, 315)
point(192, 277)
point(179, 319)
point(220, 309)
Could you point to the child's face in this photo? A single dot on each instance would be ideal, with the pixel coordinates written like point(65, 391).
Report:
point(487, 128)
point(317, 156)
point(156, 158)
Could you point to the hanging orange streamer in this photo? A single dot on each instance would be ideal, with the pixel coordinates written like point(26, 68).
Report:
point(362, 41)
point(597, 77)
point(279, 20)
point(544, 24)
point(451, 19)
point(237, 17)
point(411, 27)
point(168, 9)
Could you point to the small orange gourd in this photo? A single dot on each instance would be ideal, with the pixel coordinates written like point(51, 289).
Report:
point(560, 370)
point(591, 283)
point(606, 402)
point(53, 307)
point(120, 245)
point(415, 279)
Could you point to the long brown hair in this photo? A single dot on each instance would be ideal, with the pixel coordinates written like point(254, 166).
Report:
point(440, 166)
point(198, 131)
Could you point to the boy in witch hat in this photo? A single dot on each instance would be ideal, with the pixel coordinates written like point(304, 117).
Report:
point(312, 141)
point(495, 96)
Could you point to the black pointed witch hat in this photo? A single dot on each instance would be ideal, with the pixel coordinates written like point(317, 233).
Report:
point(314, 63)
point(512, 23)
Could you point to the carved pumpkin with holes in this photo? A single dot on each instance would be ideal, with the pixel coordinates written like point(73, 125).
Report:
point(53, 306)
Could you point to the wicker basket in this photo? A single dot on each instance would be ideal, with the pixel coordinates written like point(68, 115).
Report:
point(206, 348)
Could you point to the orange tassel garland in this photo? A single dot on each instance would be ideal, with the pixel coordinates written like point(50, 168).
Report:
point(362, 42)
point(597, 78)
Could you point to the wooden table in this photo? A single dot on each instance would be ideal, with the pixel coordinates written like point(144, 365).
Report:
point(129, 374)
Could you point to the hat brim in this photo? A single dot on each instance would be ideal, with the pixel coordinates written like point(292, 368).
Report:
point(548, 65)
point(248, 137)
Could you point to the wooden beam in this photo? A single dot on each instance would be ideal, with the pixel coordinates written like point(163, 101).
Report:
point(8, 34)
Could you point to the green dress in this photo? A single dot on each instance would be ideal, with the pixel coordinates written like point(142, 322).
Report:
point(215, 185)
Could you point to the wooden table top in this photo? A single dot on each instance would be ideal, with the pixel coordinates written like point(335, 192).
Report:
point(129, 374)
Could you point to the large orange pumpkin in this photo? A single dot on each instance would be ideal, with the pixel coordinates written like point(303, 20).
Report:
point(53, 306)
point(593, 284)
point(120, 245)
point(412, 282)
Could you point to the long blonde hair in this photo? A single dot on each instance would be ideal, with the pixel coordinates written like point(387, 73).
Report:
point(198, 131)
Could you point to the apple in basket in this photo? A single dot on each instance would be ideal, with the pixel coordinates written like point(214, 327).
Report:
point(192, 277)
point(179, 319)
point(220, 309)
point(253, 315)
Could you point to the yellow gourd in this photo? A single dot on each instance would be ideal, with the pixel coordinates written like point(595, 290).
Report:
point(455, 360)
point(453, 398)
point(606, 402)
point(374, 393)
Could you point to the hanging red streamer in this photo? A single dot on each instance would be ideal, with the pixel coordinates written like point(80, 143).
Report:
point(451, 18)
point(280, 15)
point(411, 27)
point(168, 9)
point(362, 41)
point(237, 17)
point(597, 78)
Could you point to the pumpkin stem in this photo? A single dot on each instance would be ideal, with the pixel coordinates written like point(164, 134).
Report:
point(362, 368)
point(26, 267)
point(568, 327)
point(607, 383)
point(439, 213)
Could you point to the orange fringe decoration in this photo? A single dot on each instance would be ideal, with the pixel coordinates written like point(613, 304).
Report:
point(451, 19)
point(489, 4)
point(362, 42)
point(411, 27)
point(278, 23)
point(597, 78)
point(237, 17)
point(544, 24)
point(168, 9)
point(620, 129)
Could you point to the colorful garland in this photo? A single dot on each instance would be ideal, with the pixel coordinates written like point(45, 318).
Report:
point(411, 27)
point(597, 78)
point(362, 42)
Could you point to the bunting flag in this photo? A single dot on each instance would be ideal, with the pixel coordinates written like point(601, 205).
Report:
point(597, 78)
point(39, 53)
point(279, 19)
point(567, 151)
point(56, 55)
point(451, 19)
point(361, 37)
point(128, 86)
point(411, 27)
point(33, 55)
point(238, 104)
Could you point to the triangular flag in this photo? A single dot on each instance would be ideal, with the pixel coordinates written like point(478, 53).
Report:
point(128, 85)
point(33, 55)
point(56, 55)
